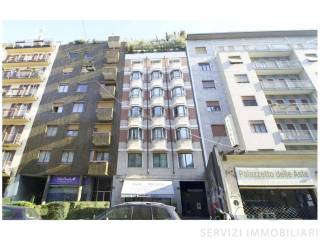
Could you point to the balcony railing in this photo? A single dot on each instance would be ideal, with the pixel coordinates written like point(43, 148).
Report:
point(98, 168)
point(22, 58)
point(112, 56)
point(270, 65)
point(109, 73)
point(299, 135)
point(15, 113)
point(287, 84)
point(19, 93)
point(101, 138)
point(266, 47)
point(11, 138)
point(107, 92)
point(114, 42)
point(6, 167)
point(30, 44)
point(104, 114)
point(22, 75)
point(290, 109)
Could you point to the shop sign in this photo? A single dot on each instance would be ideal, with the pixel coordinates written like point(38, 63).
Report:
point(64, 180)
point(274, 177)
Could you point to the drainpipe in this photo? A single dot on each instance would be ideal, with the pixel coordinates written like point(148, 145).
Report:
point(148, 94)
point(168, 104)
point(45, 191)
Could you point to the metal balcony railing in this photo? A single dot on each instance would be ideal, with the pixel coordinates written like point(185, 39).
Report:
point(297, 108)
point(30, 44)
point(266, 47)
point(19, 92)
point(286, 84)
point(15, 113)
point(27, 58)
point(299, 135)
point(104, 114)
point(22, 75)
point(11, 138)
point(269, 65)
point(101, 138)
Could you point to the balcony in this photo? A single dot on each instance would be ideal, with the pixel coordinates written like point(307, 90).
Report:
point(101, 138)
point(104, 114)
point(114, 42)
point(109, 74)
point(294, 110)
point(98, 168)
point(157, 101)
point(299, 137)
point(11, 141)
point(278, 87)
point(181, 121)
point(136, 101)
point(107, 92)
point(15, 116)
point(184, 145)
point(30, 47)
point(134, 145)
point(27, 77)
point(26, 61)
point(176, 82)
point(6, 168)
point(159, 145)
point(136, 83)
point(158, 122)
point(277, 67)
point(15, 95)
point(112, 56)
point(135, 121)
point(156, 83)
point(179, 100)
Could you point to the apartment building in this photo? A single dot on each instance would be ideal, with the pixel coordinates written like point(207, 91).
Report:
point(72, 146)
point(160, 156)
point(25, 70)
point(256, 97)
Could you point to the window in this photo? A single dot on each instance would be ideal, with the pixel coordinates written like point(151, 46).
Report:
point(87, 68)
point(208, 84)
point(99, 156)
point(82, 87)
point(185, 160)
point(213, 106)
point(183, 133)
point(136, 75)
point(88, 56)
point(156, 75)
point(249, 101)
point(218, 130)
point(44, 156)
point(135, 160)
point(157, 111)
point(160, 213)
point(175, 74)
point(200, 50)
point(7, 156)
point(73, 130)
point(156, 92)
point(205, 66)
point(78, 107)
point(279, 126)
point(177, 92)
point(291, 127)
point(136, 92)
point(63, 88)
point(67, 157)
point(315, 126)
point(141, 213)
point(235, 60)
point(57, 107)
point(258, 127)
point(73, 55)
point(180, 111)
point(158, 133)
point(135, 112)
point(241, 78)
point(119, 213)
point(135, 133)
point(67, 70)
point(52, 131)
point(312, 57)
point(160, 160)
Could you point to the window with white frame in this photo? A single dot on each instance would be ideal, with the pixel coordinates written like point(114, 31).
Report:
point(311, 57)
point(82, 87)
point(67, 157)
point(213, 106)
point(135, 112)
point(176, 74)
point(235, 60)
point(78, 107)
point(249, 101)
point(135, 92)
point(183, 133)
point(99, 156)
point(44, 156)
point(63, 88)
point(135, 134)
point(177, 92)
point(208, 84)
point(185, 160)
point(73, 130)
point(57, 107)
point(180, 111)
point(157, 111)
point(135, 160)
point(258, 127)
point(241, 78)
point(136, 75)
point(158, 133)
point(156, 75)
point(7, 157)
point(205, 66)
point(52, 130)
point(156, 92)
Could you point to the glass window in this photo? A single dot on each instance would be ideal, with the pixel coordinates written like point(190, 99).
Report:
point(156, 75)
point(135, 112)
point(205, 66)
point(73, 55)
point(218, 130)
point(82, 88)
point(52, 131)
point(136, 92)
point(208, 84)
point(73, 130)
point(185, 160)
point(88, 55)
point(180, 111)
point(7, 156)
point(160, 213)
point(258, 127)
point(157, 111)
point(136, 75)
point(160, 160)
point(44, 156)
point(200, 50)
point(213, 106)
point(63, 88)
point(67, 157)
point(135, 133)
point(141, 213)
point(176, 74)
point(158, 133)
point(241, 78)
point(177, 92)
point(119, 213)
point(183, 133)
point(156, 92)
point(249, 101)
point(78, 107)
point(87, 68)
point(135, 160)
point(235, 60)
point(57, 107)
point(99, 156)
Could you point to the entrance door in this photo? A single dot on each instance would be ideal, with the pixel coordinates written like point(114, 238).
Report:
point(194, 200)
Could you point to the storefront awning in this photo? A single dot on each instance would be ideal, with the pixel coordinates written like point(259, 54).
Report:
point(161, 189)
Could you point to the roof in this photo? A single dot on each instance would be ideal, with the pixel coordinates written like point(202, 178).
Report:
point(258, 34)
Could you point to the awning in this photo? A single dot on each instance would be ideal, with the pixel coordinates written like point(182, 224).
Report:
point(131, 188)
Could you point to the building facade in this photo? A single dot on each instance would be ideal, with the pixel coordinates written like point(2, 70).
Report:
point(256, 97)
point(72, 146)
point(160, 155)
point(25, 70)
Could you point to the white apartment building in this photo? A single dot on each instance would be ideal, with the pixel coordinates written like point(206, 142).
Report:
point(256, 100)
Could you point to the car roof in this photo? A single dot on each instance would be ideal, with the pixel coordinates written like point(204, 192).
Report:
point(143, 204)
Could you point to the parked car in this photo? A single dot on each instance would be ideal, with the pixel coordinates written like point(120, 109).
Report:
point(139, 211)
point(19, 213)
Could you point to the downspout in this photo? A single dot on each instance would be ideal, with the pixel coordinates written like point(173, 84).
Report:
point(148, 94)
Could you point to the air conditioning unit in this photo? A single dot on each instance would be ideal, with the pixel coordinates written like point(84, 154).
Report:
point(231, 131)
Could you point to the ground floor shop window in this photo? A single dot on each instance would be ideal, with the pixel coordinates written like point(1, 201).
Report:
point(279, 203)
point(62, 193)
